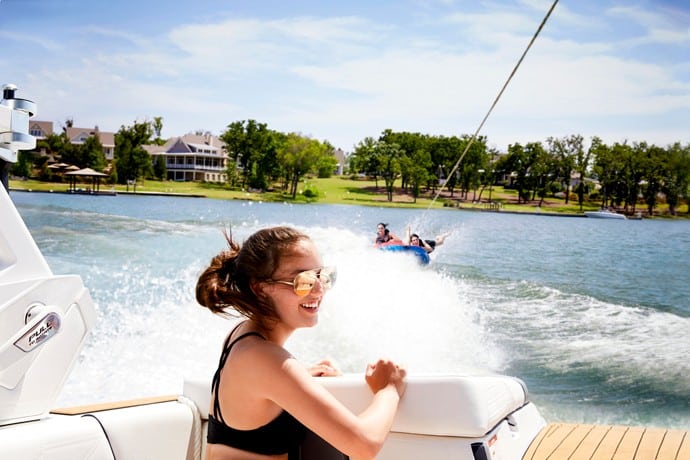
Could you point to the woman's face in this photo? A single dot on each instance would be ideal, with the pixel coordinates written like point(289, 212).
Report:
point(295, 311)
point(381, 230)
point(414, 241)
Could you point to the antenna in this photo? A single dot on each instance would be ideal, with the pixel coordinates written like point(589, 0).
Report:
point(14, 128)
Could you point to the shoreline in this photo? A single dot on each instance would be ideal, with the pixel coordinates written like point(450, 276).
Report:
point(110, 193)
point(195, 195)
point(528, 210)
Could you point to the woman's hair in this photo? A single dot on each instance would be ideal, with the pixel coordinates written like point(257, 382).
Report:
point(226, 283)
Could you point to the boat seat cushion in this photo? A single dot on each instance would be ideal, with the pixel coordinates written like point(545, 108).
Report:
point(56, 438)
point(438, 405)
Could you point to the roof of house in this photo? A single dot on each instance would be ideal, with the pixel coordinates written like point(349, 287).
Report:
point(45, 127)
point(189, 143)
point(77, 135)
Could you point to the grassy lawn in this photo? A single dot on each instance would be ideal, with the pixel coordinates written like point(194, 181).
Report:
point(343, 190)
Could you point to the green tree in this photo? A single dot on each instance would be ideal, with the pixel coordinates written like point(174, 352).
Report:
point(472, 162)
point(298, 156)
point(70, 154)
point(22, 168)
point(390, 155)
point(566, 150)
point(445, 152)
point(677, 180)
point(365, 159)
point(232, 173)
point(582, 160)
point(131, 159)
point(52, 144)
point(253, 147)
point(157, 125)
point(633, 174)
point(160, 170)
point(518, 162)
point(609, 169)
point(490, 172)
point(542, 169)
point(91, 154)
point(327, 162)
point(409, 144)
point(417, 170)
point(655, 174)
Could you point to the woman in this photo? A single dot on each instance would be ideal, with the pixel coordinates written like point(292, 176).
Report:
point(263, 400)
point(384, 236)
point(415, 240)
point(428, 245)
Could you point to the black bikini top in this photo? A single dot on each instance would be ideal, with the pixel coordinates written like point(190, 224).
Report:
point(282, 435)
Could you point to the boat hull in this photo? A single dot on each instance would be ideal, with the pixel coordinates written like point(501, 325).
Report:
point(604, 215)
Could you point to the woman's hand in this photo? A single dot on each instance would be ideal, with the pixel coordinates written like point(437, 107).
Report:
point(384, 373)
point(324, 368)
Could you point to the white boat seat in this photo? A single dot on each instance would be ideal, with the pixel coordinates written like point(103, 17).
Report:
point(56, 438)
point(438, 405)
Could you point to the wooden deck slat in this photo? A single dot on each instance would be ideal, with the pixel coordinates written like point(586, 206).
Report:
point(671, 445)
point(650, 444)
point(591, 443)
point(570, 444)
point(609, 444)
point(550, 438)
point(561, 441)
point(684, 450)
point(629, 443)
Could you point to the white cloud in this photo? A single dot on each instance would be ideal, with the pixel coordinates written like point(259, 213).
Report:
point(343, 77)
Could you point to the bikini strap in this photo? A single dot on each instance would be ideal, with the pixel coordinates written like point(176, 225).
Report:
point(227, 346)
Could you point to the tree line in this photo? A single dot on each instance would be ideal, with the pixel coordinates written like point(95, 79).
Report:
point(627, 173)
point(259, 157)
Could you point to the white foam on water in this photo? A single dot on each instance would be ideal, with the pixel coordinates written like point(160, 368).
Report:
point(445, 317)
point(151, 334)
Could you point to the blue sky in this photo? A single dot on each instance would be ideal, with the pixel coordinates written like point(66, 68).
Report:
point(342, 71)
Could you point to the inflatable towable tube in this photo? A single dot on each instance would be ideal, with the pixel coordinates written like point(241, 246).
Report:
point(417, 251)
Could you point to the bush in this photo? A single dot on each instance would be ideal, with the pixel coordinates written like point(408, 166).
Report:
point(310, 192)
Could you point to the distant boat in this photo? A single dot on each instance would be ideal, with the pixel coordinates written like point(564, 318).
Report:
point(605, 214)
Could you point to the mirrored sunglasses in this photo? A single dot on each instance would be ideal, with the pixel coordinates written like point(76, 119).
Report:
point(305, 281)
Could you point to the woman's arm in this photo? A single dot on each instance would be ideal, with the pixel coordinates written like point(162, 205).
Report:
point(359, 436)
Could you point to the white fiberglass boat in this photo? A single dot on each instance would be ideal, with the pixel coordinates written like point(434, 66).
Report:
point(605, 214)
point(45, 319)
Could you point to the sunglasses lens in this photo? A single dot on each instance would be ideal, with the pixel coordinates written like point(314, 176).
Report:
point(304, 282)
point(327, 277)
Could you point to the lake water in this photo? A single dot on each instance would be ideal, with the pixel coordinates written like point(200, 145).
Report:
point(592, 314)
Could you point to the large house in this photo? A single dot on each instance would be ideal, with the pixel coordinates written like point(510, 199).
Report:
point(78, 136)
point(40, 129)
point(192, 157)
